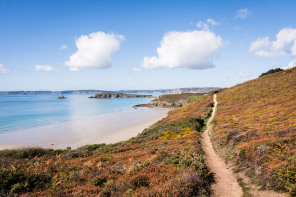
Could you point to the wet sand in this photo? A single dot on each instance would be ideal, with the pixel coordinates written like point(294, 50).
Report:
point(105, 128)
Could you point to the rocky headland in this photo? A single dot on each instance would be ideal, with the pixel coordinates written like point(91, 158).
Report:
point(172, 100)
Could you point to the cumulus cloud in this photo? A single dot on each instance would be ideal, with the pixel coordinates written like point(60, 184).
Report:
point(243, 13)
point(259, 44)
point(4, 70)
point(207, 24)
point(280, 47)
point(137, 70)
point(290, 65)
point(45, 68)
point(63, 47)
point(194, 49)
point(94, 51)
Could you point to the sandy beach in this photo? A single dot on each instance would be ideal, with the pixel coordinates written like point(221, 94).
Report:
point(105, 128)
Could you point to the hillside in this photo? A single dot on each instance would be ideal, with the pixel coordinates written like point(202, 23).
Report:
point(164, 160)
point(255, 127)
point(172, 100)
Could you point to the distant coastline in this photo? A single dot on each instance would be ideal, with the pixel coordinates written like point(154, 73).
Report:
point(119, 95)
point(164, 91)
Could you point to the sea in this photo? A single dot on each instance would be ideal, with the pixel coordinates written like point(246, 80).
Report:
point(19, 112)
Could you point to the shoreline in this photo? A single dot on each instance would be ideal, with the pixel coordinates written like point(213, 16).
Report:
point(103, 128)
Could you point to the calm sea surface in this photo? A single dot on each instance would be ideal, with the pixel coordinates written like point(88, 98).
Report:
point(25, 111)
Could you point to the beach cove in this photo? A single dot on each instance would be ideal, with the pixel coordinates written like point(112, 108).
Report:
point(103, 128)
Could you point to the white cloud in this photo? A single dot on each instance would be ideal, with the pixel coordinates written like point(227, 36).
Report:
point(193, 49)
point(4, 70)
point(212, 22)
point(94, 51)
point(290, 65)
point(206, 25)
point(259, 44)
point(202, 25)
point(280, 47)
point(137, 70)
point(244, 75)
point(46, 68)
point(63, 47)
point(283, 38)
point(243, 13)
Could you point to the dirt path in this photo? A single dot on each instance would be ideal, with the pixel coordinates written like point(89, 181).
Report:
point(226, 183)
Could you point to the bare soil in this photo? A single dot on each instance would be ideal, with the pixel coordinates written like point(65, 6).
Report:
point(226, 183)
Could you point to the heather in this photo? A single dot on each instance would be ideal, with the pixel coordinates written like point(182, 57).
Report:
point(166, 159)
point(256, 122)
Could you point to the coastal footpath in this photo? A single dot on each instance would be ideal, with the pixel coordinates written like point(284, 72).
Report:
point(252, 127)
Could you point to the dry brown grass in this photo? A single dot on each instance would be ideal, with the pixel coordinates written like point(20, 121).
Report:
point(169, 164)
point(258, 119)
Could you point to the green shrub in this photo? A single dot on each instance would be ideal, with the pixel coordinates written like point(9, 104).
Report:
point(92, 147)
point(106, 158)
point(193, 98)
point(20, 182)
point(99, 181)
point(26, 153)
point(271, 71)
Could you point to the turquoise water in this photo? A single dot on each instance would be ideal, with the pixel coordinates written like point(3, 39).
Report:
point(25, 111)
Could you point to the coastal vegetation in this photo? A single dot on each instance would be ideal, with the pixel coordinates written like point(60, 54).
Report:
point(271, 71)
point(173, 100)
point(255, 128)
point(164, 160)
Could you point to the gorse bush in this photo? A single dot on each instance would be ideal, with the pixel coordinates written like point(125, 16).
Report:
point(176, 127)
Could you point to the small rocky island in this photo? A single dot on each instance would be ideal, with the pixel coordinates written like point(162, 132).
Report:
point(119, 95)
point(61, 97)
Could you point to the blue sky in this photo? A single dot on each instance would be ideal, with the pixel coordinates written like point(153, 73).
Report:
point(66, 45)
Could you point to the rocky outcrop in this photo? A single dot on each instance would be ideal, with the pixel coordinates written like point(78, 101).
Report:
point(61, 97)
point(179, 103)
point(119, 95)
